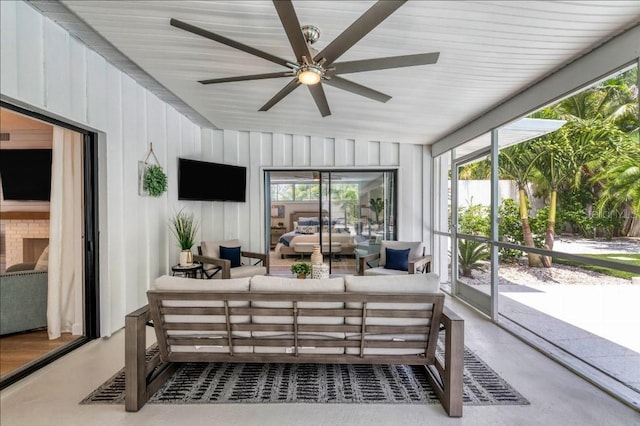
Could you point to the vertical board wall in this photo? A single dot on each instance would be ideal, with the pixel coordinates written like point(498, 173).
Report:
point(44, 69)
point(260, 151)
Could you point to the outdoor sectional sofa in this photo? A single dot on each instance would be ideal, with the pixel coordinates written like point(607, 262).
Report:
point(354, 320)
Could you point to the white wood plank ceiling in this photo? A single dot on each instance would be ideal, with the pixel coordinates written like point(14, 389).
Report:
point(489, 51)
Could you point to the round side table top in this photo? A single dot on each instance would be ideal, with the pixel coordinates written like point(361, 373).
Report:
point(191, 267)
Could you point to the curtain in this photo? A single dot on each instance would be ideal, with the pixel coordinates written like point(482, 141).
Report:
point(65, 295)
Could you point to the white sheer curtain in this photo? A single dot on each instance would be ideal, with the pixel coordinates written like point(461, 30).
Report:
point(65, 295)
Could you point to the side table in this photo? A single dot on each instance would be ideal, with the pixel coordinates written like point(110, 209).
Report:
point(188, 271)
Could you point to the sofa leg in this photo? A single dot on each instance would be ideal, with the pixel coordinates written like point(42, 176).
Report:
point(446, 378)
point(135, 365)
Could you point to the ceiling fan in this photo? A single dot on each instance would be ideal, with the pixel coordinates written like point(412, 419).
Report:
point(313, 67)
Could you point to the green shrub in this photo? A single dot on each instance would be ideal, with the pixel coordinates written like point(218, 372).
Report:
point(509, 229)
point(474, 220)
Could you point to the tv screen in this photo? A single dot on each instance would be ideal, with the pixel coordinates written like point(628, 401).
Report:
point(204, 181)
point(26, 174)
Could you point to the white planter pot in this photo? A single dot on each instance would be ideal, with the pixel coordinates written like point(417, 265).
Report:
point(186, 258)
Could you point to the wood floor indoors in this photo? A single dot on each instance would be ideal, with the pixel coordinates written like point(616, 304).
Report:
point(17, 350)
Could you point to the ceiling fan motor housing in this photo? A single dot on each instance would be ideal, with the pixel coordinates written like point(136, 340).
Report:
point(311, 33)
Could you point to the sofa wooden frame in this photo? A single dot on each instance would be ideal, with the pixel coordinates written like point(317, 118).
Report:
point(144, 376)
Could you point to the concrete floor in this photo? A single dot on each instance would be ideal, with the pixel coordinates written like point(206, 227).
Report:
point(593, 327)
point(557, 396)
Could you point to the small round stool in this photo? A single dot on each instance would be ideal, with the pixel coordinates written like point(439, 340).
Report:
point(319, 272)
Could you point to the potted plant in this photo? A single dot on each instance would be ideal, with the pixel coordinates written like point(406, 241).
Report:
point(184, 227)
point(301, 269)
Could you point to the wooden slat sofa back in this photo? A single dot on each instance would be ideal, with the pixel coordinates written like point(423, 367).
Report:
point(213, 333)
point(295, 327)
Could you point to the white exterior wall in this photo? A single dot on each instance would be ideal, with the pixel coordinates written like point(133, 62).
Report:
point(259, 151)
point(44, 69)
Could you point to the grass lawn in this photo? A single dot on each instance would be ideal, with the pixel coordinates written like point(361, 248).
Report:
point(632, 259)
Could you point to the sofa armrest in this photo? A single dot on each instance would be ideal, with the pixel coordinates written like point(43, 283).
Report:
point(135, 366)
point(143, 376)
point(21, 267)
point(452, 370)
point(364, 261)
point(415, 264)
point(264, 258)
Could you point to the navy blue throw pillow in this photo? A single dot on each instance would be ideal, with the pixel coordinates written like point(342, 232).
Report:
point(232, 254)
point(397, 259)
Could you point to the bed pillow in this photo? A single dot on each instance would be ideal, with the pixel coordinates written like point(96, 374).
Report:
point(307, 229)
point(397, 259)
point(307, 221)
point(231, 254)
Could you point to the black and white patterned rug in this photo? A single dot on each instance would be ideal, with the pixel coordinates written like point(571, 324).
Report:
point(212, 383)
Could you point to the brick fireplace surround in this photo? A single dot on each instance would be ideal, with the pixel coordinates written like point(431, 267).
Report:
point(18, 229)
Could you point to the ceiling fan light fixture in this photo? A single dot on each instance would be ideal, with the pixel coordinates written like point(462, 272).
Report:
point(310, 74)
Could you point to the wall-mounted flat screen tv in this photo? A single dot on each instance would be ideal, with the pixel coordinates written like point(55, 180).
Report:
point(204, 181)
point(26, 174)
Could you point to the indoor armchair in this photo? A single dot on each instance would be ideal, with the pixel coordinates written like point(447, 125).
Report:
point(226, 259)
point(394, 258)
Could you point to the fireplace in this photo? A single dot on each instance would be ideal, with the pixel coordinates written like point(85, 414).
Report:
point(24, 240)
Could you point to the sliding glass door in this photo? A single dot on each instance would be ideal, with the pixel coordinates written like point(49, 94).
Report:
point(346, 213)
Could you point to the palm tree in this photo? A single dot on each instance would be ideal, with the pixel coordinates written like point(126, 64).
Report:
point(554, 165)
point(621, 185)
point(377, 205)
point(517, 163)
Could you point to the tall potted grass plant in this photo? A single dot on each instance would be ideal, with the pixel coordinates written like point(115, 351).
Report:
point(184, 227)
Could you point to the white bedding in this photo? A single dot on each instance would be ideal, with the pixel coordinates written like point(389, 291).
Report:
point(345, 239)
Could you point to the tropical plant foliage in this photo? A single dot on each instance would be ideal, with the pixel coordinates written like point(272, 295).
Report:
point(588, 171)
point(470, 255)
point(377, 206)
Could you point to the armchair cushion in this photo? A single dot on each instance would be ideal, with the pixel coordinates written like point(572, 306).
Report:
point(416, 248)
point(212, 248)
point(397, 259)
point(232, 254)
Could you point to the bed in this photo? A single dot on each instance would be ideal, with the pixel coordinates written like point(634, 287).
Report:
point(304, 228)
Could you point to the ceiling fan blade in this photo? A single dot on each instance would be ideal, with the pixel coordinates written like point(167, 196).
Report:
point(321, 100)
point(385, 63)
point(291, 25)
point(281, 94)
point(227, 41)
point(356, 88)
point(361, 27)
point(247, 77)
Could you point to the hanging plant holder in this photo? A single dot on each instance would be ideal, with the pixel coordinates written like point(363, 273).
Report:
point(152, 180)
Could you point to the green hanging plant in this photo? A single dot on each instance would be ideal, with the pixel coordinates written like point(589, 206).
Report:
point(155, 181)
